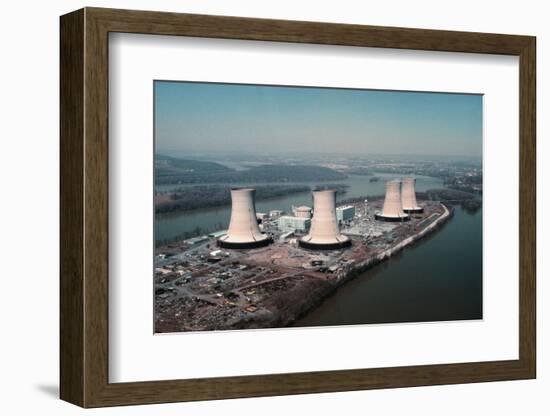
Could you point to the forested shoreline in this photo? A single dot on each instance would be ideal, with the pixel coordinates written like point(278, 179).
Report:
point(208, 196)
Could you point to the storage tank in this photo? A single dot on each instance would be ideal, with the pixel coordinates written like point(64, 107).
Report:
point(392, 210)
point(243, 231)
point(324, 233)
point(302, 211)
point(408, 196)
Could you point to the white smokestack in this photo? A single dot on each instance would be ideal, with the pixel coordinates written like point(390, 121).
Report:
point(324, 232)
point(392, 209)
point(243, 231)
point(408, 196)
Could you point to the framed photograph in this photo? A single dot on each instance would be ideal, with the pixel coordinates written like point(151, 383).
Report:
point(254, 207)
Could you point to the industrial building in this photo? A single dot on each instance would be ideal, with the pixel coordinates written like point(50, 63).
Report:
point(345, 213)
point(324, 233)
point(196, 240)
point(217, 234)
point(302, 211)
point(288, 223)
point(275, 213)
point(243, 231)
point(408, 196)
point(261, 216)
point(392, 210)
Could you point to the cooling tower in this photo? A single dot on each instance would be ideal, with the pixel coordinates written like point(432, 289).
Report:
point(243, 231)
point(408, 196)
point(324, 233)
point(392, 209)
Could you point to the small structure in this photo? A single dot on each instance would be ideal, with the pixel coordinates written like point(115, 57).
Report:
point(261, 216)
point(243, 231)
point(302, 211)
point(288, 223)
point(392, 210)
point(217, 234)
point(324, 233)
point(345, 213)
point(275, 213)
point(408, 196)
point(285, 236)
point(196, 240)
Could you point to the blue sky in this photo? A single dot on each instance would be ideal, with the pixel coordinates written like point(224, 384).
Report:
point(202, 117)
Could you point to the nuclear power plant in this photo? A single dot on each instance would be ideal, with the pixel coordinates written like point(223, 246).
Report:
point(267, 269)
point(243, 231)
point(324, 233)
point(408, 197)
point(392, 210)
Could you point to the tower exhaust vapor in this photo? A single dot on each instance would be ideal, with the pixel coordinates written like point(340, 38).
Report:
point(324, 233)
point(408, 196)
point(392, 209)
point(243, 231)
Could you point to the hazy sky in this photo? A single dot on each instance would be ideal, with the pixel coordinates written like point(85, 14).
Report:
point(199, 117)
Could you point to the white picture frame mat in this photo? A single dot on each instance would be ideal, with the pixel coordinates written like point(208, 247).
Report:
point(135, 354)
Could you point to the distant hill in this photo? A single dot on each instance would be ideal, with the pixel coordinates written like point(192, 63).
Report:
point(445, 194)
point(288, 173)
point(167, 166)
point(206, 196)
point(169, 170)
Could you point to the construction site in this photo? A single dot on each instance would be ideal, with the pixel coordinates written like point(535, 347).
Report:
point(268, 270)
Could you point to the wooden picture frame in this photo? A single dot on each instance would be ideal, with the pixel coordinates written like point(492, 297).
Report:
point(84, 207)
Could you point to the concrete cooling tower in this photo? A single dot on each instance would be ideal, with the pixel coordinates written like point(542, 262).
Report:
point(408, 196)
point(392, 209)
point(243, 231)
point(324, 233)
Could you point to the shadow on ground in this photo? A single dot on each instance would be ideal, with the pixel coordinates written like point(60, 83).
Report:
point(51, 390)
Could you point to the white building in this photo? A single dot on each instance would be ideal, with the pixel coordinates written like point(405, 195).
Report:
point(288, 223)
point(261, 216)
point(275, 213)
point(302, 211)
point(345, 213)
